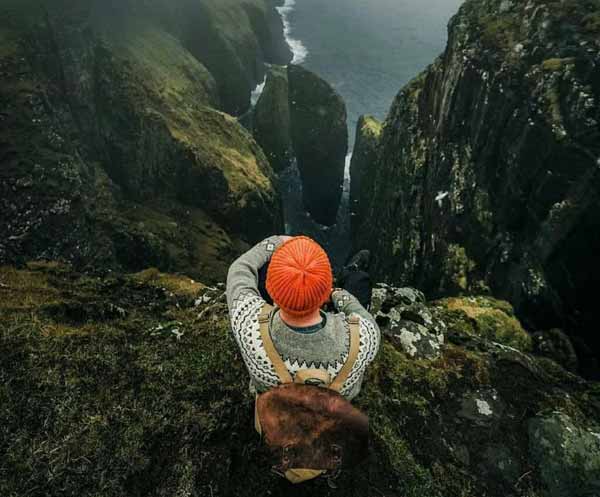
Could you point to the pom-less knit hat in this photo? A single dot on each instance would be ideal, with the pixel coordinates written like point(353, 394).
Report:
point(299, 278)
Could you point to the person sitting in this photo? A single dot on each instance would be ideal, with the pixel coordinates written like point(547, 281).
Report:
point(299, 281)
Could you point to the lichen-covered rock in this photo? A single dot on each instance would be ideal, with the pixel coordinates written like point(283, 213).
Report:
point(320, 139)
point(567, 453)
point(488, 175)
point(271, 121)
point(112, 151)
point(362, 168)
point(131, 384)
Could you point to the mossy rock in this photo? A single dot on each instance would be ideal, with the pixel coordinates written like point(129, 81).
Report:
point(489, 318)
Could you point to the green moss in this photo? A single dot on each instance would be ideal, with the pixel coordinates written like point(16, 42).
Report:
point(457, 268)
point(591, 23)
point(556, 64)
point(372, 127)
point(500, 32)
point(490, 318)
point(114, 386)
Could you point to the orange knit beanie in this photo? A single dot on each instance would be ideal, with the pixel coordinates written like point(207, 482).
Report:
point(299, 278)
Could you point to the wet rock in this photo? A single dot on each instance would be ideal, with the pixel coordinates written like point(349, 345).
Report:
point(567, 455)
point(320, 139)
point(500, 463)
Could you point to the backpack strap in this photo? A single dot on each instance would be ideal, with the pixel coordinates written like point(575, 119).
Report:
point(342, 376)
point(264, 319)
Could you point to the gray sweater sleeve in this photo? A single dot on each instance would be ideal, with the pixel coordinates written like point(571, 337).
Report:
point(242, 279)
point(348, 304)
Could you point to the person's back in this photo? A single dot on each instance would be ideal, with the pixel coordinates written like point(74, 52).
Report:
point(299, 281)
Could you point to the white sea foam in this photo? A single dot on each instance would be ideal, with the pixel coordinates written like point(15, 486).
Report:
point(257, 92)
point(299, 51)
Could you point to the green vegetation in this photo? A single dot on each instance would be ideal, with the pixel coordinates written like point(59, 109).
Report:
point(121, 384)
point(489, 318)
point(118, 156)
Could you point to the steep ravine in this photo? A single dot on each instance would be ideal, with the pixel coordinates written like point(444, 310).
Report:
point(486, 177)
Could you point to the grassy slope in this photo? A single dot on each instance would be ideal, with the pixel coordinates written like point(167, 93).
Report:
point(130, 141)
point(120, 385)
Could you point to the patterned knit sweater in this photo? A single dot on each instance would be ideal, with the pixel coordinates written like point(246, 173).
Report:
point(325, 349)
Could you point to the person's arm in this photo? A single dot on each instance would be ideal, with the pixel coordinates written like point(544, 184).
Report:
point(345, 302)
point(245, 304)
point(242, 279)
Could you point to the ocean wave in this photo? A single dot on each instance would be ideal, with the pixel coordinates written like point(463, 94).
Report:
point(299, 51)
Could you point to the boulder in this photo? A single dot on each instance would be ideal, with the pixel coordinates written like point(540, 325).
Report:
point(556, 345)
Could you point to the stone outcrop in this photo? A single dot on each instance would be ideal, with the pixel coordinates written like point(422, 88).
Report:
point(131, 384)
point(320, 140)
point(113, 150)
point(299, 116)
point(488, 177)
point(271, 120)
point(362, 169)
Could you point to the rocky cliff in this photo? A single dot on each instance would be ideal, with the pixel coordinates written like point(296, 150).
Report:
point(320, 138)
point(487, 177)
point(299, 116)
point(271, 120)
point(362, 171)
point(114, 151)
point(132, 384)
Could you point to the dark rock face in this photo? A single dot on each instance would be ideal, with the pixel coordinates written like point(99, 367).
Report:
point(233, 39)
point(320, 139)
point(143, 368)
point(271, 121)
point(362, 170)
point(112, 152)
point(489, 176)
point(559, 446)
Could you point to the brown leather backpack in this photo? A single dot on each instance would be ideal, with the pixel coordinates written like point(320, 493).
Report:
point(310, 429)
